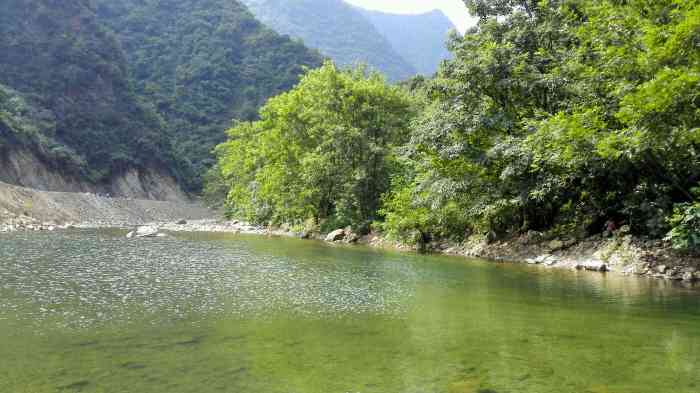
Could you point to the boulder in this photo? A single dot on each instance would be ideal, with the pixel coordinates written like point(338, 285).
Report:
point(182, 222)
point(661, 269)
point(491, 237)
point(532, 237)
point(688, 276)
point(337, 235)
point(352, 237)
point(146, 231)
point(593, 266)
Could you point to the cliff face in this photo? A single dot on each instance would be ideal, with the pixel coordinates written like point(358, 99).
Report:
point(24, 168)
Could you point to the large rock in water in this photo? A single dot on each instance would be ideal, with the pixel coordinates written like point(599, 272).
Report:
point(337, 235)
point(145, 231)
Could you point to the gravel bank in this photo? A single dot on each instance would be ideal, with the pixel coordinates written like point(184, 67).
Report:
point(25, 208)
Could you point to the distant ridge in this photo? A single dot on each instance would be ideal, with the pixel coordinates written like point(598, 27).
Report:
point(337, 29)
point(420, 38)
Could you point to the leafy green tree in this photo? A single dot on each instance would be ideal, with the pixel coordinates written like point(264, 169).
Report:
point(322, 151)
point(561, 114)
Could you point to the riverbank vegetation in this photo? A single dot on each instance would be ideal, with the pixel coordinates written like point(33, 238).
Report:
point(563, 116)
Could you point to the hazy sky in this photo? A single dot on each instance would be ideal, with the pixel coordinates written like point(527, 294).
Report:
point(455, 9)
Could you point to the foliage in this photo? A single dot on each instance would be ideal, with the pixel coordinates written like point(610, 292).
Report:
point(338, 30)
point(562, 113)
point(321, 151)
point(66, 95)
point(685, 226)
point(202, 63)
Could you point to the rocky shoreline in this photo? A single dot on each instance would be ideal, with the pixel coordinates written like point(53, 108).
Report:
point(620, 253)
point(26, 223)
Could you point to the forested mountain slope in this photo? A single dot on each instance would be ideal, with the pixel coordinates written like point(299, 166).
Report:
point(65, 100)
point(203, 63)
point(420, 39)
point(337, 29)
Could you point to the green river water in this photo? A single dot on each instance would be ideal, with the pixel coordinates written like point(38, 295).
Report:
point(89, 311)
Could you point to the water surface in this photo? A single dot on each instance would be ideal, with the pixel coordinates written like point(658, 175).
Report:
point(89, 311)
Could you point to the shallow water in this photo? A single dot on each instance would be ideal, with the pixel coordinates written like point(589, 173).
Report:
point(89, 311)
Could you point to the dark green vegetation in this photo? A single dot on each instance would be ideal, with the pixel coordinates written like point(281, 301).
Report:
point(420, 39)
point(65, 94)
point(558, 116)
point(337, 29)
point(202, 64)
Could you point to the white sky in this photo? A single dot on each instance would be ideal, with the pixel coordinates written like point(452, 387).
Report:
point(455, 9)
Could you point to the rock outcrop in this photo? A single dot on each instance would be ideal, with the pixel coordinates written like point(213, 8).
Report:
point(23, 168)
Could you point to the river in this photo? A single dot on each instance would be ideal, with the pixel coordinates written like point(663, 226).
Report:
point(90, 311)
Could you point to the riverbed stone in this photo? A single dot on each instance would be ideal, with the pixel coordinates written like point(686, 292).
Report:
point(532, 237)
point(662, 269)
point(688, 276)
point(593, 266)
point(337, 235)
point(147, 231)
point(352, 237)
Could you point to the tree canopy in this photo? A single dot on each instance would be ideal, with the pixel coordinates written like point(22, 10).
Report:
point(558, 115)
point(563, 114)
point(322, 151)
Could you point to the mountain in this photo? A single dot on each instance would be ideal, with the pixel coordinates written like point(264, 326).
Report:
point(68, 117)
point(203, 63)
point(337, 29)
point(420, 39)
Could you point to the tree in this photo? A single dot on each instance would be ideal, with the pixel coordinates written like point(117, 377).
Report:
point(322, 151)
point(560, 115)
